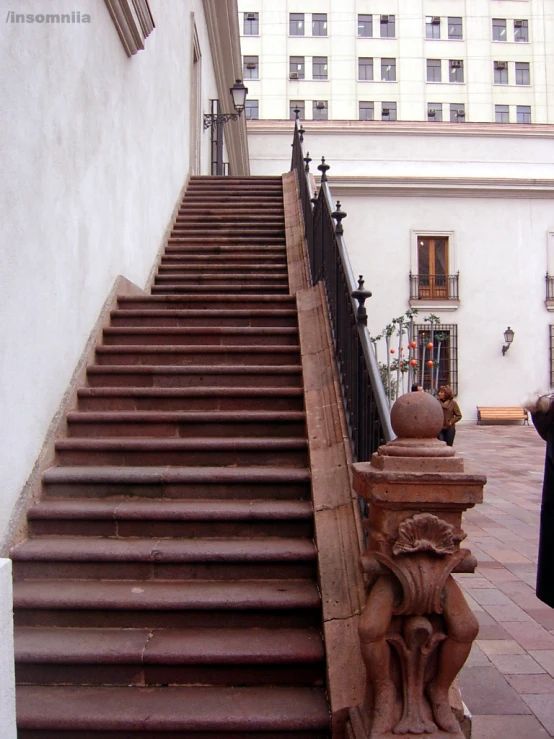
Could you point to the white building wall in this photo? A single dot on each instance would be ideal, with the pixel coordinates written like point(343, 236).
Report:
point(412, 92)
point(95, 150)
point(7, 672)
point(490, 189)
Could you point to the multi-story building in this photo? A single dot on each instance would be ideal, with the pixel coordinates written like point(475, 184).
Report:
point(411, 60)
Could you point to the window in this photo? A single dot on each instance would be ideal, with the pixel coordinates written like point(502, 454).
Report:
point(300, 104)
point(501, 73)
point(365, 26)
point(522, 73)
point(501, 114)
point(432, 26)
point(251, 68)
point(296, 24)
point(521, 30)
point(319, 24)
point(251, 24)
point(388, 112)
point(297, 68)
point(434, 112)
point(433, 70)
point(133, 21)
point(523, 113)
point(455, 30)
point(551, 330)
point(365, 68)
point(499, 29)
point(432, 265)
point(367, 111)
point(251, 110)
point(456, 70)
point(444, 338)
point(387, 26)
point(319, 68)
point(320, 110)
point(457, 112)
point(388, 70)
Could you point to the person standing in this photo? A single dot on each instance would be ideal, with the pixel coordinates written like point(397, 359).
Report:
point(451, 412)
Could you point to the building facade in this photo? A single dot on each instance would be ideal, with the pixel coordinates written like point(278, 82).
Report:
point(408, 60)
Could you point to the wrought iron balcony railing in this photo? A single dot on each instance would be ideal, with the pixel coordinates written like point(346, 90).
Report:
point(434, 287)
point(549, 287)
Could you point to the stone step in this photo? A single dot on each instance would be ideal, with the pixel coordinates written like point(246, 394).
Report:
point(237, 241)
point(217, 229)
point(179, 656)
point(209, 302)
point(225, 280)
point(256, 318)
point(219, 267)
point(177, 355)
point(261, 261)
point(211, 336)
point(218, 289)
point(193, 399)
point(177, 483)
point(151, 604)
point(185, 424)
point(195, 376)
point(159, 559)
point(176, 518)
point(232, 218)
point(267, 712)
point(199, 452)
point(208, 211)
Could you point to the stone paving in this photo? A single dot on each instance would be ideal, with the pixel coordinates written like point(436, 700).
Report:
point(508, 681)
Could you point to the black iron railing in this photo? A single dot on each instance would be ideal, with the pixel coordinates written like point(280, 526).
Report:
point(434, 287)
point(549, 287)
point(364, 398)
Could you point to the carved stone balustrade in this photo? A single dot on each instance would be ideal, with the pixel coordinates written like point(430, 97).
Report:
point(416, 629)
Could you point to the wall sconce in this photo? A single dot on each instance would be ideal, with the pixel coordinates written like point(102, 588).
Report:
point(508, 338)
point(238, 93)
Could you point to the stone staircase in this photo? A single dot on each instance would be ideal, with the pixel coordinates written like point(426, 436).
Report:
point(168, 587)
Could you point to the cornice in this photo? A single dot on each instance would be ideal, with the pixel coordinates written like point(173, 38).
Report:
point(223, 31)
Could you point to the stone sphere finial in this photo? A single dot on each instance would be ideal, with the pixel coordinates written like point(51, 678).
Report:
point(416, 416)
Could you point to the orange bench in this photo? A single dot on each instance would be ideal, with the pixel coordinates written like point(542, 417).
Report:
point(498, 413)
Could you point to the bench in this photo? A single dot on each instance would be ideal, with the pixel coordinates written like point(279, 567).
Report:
point(506, 413)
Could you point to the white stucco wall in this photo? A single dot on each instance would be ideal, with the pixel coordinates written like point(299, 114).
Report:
point(7, 676)
point(95, 150)
point(491, 191)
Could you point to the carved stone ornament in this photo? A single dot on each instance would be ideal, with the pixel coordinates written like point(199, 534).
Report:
point(424, 533)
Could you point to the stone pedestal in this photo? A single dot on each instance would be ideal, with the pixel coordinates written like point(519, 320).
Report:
point(416, 629)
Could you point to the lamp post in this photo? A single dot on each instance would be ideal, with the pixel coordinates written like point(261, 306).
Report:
point(508, 338)
point(238, 94)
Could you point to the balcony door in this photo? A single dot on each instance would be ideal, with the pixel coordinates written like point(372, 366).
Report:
point(432, 258)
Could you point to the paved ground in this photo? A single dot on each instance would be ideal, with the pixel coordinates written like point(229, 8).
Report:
point(508, 681)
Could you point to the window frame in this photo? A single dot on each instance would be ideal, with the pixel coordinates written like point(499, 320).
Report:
point(506, 112)
point(360, 23)
point(430, 26)
point(319, 20)
point(390, 106)
point(521, 112)
point(248, 103)
point(448, 362)
point(388, 26)
point(384, 63)
point(366, 62)
point(300, 72)
point(455, 108)
point(434, 67)
point(301, 105)
point(325, 74)
point(320, 116)
point(499, 40)
point(500, 73)
point(459, 72)
point(461, 25)
point(525, 73)
point(372, 109)
point(256, 21)
point(248, 73)
point(437, 107)
point(516, 31)
point(300, 20)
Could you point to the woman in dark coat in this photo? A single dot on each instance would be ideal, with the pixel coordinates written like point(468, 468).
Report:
point(543, 417)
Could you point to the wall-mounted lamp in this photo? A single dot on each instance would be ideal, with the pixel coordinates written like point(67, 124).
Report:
point(508, 338)
point(238, 93)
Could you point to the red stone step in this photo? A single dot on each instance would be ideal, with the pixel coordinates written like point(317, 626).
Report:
point(265, 261)
point(193, 399)
point(180, 656)
point(247, 217)
point(224, 336)
point(183, 452)
point(264, 317)
point(216, 289)
point(237, 241)
point(179, 518)
point(156, 713)
point(224, 279)
point(158, 604)
point(194, 376)
point(209, 302)
point(236, 558)
point(185, 424)
point(182, 355)
point(217, 264)
point(177, 483)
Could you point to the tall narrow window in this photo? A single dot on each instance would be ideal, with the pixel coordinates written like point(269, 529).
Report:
point(365, 26)
point(521, 30)
point(501, 73)
point(319, 24)
point(501, 113)
point(434, 112)
point(444, 355)
point(297, 104)
point(388, 112)
point(433, 70)
point(251, 68)
point(320, 110)
point(456, 70)
point(251, 24)
point(432, 264)
point(455, 30)
point(296, 24)
point(551, 332)
point(297, 70)
point(388, 26)
point(433, 26)
point(388, 70)
point(319, 68)
point(251, 110)
point(522, 73)
point(365, 68)
point(457, 112)
point(499, 29)
point(523, 113)
point(367, 111)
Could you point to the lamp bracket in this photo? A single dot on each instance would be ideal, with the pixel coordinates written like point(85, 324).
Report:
point(212, 119)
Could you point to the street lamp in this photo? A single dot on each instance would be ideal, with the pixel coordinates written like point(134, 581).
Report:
point(238, 93)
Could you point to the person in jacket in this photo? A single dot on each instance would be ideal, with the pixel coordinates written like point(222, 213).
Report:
point(452, 414)
point(542, 413)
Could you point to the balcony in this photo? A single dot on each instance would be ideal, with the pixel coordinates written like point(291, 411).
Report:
point(440, 292)
point(549, 300)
